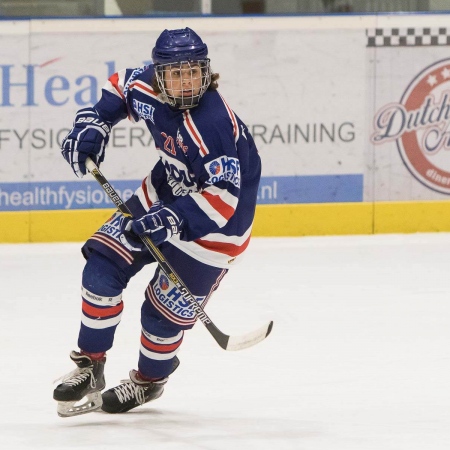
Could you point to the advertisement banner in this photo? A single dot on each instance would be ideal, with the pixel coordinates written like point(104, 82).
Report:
point(302, 96)
point(409, 129)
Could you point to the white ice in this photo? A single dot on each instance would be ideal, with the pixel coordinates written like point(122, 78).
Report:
point(359, 357)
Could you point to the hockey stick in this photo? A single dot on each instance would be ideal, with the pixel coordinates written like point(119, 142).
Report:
point(225, 341)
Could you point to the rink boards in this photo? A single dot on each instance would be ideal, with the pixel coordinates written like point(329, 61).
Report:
point(349, 113)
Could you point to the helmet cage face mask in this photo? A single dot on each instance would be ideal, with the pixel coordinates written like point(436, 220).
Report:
point(183, 83)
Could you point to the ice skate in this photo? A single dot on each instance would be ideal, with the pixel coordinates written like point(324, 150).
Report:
point(133, 392)
point(79, 392)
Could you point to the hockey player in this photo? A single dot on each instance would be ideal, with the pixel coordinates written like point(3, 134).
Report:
point(197, 205)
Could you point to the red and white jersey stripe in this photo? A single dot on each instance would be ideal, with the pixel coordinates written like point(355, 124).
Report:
point(116, 83)
point(113, 245)
point(218, 204)
point(233, 119)
point(161, 349)
point(100, 312)
point(215, 249)
point(146, 193)
point(194, 133)
point(144, 88)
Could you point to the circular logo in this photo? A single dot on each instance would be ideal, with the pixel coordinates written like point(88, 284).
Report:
point(419, 125)
point(163, 282)
point(214, 168)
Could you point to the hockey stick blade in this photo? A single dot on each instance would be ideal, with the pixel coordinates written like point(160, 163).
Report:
point(248, 340)
point(225, 341)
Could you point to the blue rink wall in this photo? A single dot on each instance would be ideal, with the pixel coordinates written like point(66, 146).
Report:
point(71, 210)
point(72, 195)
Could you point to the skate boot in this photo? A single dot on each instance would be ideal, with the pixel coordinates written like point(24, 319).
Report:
point(83, 383)
point(133, 392)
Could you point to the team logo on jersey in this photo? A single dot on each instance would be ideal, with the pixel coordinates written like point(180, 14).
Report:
point(214, 168)
point(420, 126)
point(112, 227)
point(163, 282)
point(224, 169)
point(181, 175)
point(144, 110)
point(171, 300)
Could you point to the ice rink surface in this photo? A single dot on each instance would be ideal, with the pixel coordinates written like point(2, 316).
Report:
point(359, 357)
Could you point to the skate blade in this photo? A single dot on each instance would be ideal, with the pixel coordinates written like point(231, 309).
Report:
point(89, 403)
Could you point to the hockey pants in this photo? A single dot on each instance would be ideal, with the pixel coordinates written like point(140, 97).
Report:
point(164, 313)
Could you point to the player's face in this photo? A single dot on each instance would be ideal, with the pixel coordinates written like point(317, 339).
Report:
point(183, 81)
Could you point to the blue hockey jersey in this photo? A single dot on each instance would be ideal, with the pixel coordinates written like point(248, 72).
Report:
point(208, 169)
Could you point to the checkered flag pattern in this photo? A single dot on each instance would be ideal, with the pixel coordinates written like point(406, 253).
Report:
point(407, 37)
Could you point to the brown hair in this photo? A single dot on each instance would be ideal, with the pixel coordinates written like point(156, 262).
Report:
point(214, 82)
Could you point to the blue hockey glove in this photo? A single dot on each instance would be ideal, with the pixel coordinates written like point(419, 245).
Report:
point(160, 224)
point(88, 137)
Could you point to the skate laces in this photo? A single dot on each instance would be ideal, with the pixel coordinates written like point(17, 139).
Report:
point(129, 390)
point(78, 375)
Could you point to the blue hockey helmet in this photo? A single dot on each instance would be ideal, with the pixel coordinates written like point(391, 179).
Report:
point(179, 45)
point(182, 68)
